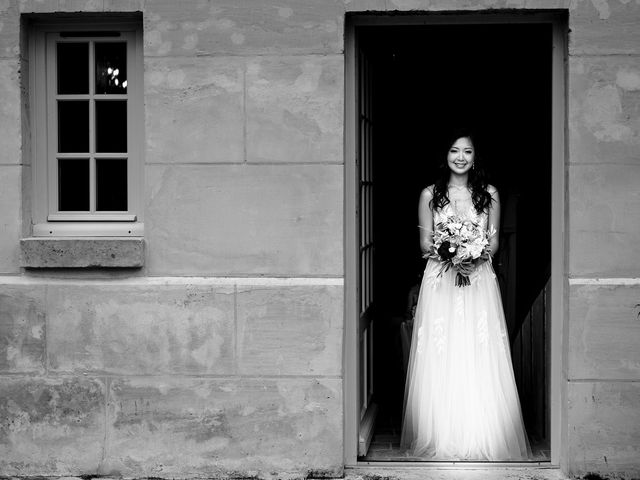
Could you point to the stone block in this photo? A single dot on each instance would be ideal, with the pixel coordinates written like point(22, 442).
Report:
point(604, 228)
point(22, 329)
point(50, 6)
point(37, 6)
point(604, 254)
point(365, 5)
point(80, 5)
point(78, 252)
point(124, 5)
point(10, 112)
point(224, 428)
point(51, 426)
point(439, 5)
point(604, 109)
point(603, 433)
point(604, 27)
point(427, 5)
point(9, 30)
point(246, 27)
point(244, 219)
point(10, 218)
point(604, 332)
point(290, 330)
point(194, 110)
point(135, 329)
point(295, 109)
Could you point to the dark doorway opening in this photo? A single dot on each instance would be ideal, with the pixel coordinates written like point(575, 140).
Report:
point(496, 78)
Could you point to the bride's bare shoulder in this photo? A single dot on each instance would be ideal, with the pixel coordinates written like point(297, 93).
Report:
point(427, 193)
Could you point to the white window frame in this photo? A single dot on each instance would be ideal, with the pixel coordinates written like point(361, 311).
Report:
point(46, 219)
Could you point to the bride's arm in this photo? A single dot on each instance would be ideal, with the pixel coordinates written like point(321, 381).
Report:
point(425, 219)
point(494, 219)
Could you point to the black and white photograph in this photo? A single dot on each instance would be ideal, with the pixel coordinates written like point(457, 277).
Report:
point(320, 239)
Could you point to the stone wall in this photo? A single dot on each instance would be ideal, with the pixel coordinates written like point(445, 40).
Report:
point(603, 365)
point(223, 354)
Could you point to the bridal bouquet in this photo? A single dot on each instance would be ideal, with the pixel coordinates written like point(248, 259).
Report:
point(456, 243)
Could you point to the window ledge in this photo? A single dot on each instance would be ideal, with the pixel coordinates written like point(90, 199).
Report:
point(82, 252)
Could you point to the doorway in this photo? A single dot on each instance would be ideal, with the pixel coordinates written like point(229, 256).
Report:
point(414, 80)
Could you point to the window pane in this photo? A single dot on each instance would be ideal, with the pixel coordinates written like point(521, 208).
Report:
point(111, 67)
point(73, 184)
point(73, 68)
point(111, 184)
point(73, 126)
point(111, 126)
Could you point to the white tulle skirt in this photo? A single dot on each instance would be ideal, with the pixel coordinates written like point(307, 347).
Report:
point(461, 401)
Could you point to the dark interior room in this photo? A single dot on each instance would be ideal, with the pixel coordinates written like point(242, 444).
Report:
point(496, 79)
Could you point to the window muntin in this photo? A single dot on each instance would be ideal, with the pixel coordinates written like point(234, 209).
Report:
point(89, 97)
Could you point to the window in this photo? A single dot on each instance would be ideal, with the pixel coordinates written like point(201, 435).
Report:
point(86, 103)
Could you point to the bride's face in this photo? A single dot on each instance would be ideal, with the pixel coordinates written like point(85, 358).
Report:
point(461, 155)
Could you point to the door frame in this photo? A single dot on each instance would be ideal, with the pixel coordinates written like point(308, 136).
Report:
point(559, 202)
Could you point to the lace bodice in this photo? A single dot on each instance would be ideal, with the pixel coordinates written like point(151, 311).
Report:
point(468, 213)
point(461, 204)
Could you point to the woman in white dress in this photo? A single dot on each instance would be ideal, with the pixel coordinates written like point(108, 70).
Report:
point(461, 401)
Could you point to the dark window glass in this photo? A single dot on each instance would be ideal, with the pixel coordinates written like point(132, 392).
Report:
point(73, 126)
point(73, 184)
point(111, 184)
point(73, 68)
point(111, 126)
point(111, 67)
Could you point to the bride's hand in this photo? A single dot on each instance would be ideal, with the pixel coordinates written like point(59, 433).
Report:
point(485, 257)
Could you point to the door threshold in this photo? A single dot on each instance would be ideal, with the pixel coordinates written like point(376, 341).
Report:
point(453, 471)
point(449, 465)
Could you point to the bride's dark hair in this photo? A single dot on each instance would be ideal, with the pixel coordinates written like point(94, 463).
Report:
point(477, 180)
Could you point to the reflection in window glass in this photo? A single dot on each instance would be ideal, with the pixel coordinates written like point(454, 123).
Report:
point(111, 67)
point(73, 184)
point(111, 184)
point(111, 126)
point(73, 68)
point(73, 126)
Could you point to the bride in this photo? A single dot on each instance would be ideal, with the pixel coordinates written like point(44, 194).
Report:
point(460, 400)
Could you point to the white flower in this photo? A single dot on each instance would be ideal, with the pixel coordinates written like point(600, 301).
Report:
point(475, 250)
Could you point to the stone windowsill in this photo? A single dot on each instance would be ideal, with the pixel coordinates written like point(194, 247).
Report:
point(82, 252)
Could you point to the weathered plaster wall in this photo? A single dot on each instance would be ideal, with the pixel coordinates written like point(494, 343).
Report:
point(603, 370)
point(198, 377)
point(223, 354)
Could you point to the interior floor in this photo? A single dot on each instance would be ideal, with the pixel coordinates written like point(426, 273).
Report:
point(385, 447)
point(385, 444)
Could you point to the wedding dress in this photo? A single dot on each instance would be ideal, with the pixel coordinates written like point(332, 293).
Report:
point(461, 401)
